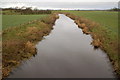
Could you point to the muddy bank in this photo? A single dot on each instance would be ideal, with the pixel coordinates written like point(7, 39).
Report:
point(89, 27)
point(19, 42)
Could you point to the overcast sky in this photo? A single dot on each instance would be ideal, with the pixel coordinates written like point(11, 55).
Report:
point(61, 4)
point(59, 0)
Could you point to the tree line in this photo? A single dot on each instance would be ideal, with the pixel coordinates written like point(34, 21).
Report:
point(27, 10)
point(115, 9)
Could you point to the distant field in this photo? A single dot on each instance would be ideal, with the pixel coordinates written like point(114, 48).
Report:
point(14, 20)
point(10, 12)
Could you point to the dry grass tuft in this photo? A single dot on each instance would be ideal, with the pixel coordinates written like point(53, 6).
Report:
point(30, 47)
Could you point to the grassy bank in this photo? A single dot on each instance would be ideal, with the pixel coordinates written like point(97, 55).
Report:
point(103, 27)
point(19, 41)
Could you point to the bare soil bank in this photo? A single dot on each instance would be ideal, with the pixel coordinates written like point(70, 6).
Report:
point(19, 42)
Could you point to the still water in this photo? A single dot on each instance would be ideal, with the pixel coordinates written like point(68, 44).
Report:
point(66, 53)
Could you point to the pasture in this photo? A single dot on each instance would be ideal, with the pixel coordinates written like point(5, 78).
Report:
point(15, 20)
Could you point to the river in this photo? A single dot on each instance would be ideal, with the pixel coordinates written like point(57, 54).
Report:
point(66, 53)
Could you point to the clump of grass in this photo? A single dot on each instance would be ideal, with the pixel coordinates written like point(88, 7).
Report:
point(19, 42)
point(50, 19)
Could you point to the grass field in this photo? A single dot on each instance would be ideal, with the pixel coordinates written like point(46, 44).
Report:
point(15, 20)
point(8, 12)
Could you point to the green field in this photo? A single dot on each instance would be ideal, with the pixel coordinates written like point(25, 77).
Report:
point(15, 20)
point(9, 12)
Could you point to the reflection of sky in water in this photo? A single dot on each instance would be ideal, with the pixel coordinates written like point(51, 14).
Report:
point(62, 5)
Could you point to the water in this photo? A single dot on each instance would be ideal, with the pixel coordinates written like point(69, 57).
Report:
point(66, 53)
